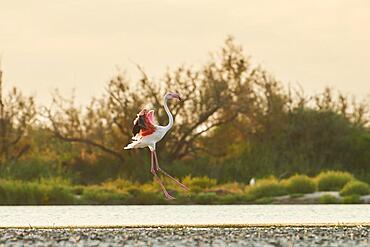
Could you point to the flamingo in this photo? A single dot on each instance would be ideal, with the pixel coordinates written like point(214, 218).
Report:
point(146, 134)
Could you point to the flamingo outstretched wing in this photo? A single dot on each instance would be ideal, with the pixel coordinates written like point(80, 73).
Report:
point(144, 124)
point(139, 123)
point(150, 117)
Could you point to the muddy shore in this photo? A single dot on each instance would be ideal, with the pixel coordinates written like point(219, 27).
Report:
point(189, 236)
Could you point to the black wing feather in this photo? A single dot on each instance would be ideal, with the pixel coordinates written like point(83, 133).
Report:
point(139, 124)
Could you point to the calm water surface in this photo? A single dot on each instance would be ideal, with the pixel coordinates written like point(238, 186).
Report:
point(190, 215)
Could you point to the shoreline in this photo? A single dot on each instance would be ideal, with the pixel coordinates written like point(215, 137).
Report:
point(188, 236)
point(275, 225)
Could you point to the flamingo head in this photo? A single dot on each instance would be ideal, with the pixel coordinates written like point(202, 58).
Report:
point(172, 95)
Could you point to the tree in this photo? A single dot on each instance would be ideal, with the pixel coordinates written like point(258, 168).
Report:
point(213, 96)
point(233, 115)
point(17, 113)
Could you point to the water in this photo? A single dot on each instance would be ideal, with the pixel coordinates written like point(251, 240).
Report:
point(184, 215)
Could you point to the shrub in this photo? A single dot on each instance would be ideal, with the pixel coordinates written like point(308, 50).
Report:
point(56, 181)
point(333, 180)
point(328, 199)
point(28, 170)
point(352, 199)
point(300, 184)
point(265, 200)
point(78, 190)
point(268, 187)
point(247, 198)
point(229, 188)
point(197, 184)
point(22, 193)
point(205, 198)
point(32, 193)
point(60, 195)
point(355, 188)
point(119, 183)
point(146, 194)
point(230, 199)
point(96, 195)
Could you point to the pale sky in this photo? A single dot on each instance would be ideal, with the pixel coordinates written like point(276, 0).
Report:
point(79, 44)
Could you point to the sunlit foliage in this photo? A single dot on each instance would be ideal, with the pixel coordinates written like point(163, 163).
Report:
point(17, 113)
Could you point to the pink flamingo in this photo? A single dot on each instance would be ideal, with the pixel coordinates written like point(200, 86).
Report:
point(147, 134)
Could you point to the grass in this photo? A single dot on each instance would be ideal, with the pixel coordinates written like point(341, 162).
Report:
point(231, 199)
point(352, 199)
point(355, 188)
point(32, 193)
point(333, 180)
point(197, 184)
point(96, 195)
point(268, 187)
point(205, 198)
point(300, 184)
point(17, 193)
point(119, 184)
point(328, 199)
point(264, 200)
point(58, 191)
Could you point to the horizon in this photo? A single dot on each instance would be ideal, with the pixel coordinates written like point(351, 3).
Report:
point(55, 45)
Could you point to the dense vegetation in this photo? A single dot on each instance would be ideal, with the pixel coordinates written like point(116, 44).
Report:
point(236, 122)
point(203, 190)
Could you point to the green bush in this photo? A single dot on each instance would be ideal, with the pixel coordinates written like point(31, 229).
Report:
point(56, 181)
point(268, 187)
point(352, 199)
point(149, 193)
point(265, 200)
point(148, 198)
point(22, 193)
point(29, 170)
point(229, 188)
point(230, 199)
point(328, 199)
point(197, 184)
point(205, 198)
point(59, 191)
point(60, 195)
point(247, 198)
point(300, 184)
point(78, 190)
point(333, 180)
point(355, 188)
point(32, 193)
point(119, 183)
point(96, 195)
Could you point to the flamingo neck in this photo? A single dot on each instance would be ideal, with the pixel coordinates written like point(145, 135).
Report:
point(170, 117)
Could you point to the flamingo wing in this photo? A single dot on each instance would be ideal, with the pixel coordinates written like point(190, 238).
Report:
point(150, 117)
point(144, 123)
point(139, 124)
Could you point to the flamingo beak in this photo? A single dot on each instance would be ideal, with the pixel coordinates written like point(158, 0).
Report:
point(174, 96)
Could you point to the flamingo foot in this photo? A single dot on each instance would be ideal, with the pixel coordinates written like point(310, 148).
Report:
point(157, 168)
point(169, 197)
point(159, 181)
point(174, 179)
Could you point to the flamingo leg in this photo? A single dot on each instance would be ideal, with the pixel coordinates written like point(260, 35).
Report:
point(156, 177)
point(157, 168)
